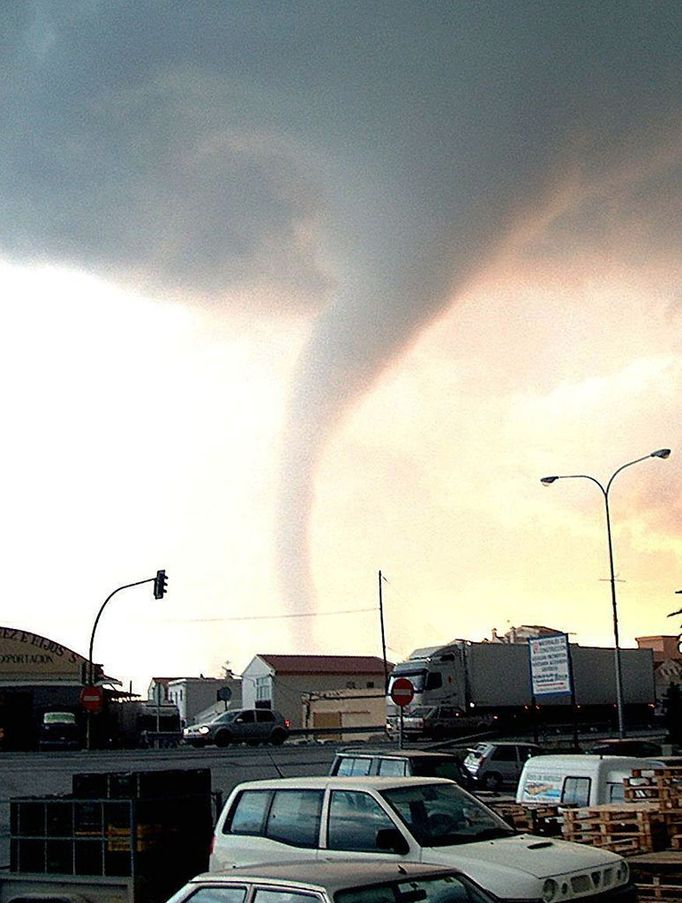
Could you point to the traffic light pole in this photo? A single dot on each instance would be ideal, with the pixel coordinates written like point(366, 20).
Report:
point(159, 581)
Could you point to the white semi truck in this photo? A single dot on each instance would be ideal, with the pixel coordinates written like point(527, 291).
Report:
point(464, 685)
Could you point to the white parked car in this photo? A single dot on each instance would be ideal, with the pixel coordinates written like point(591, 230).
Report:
point(409, 820)
point(336, 882)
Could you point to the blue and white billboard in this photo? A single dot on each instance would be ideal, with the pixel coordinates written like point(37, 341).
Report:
point(550, 666)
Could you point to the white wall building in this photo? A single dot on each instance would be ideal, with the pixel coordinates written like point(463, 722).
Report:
point(195, 695)
point(279, 681)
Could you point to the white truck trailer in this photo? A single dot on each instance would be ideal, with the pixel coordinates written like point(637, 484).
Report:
point(480, 684)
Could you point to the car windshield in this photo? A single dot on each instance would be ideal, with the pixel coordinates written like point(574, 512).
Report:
point(421, 711)
point(59, 718)
point(223, 717)
point(439, 815)
point(447, 889)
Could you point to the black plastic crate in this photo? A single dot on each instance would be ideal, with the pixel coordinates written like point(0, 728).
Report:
point(27, 855)
point(88, 818)
point(90, 785)
point(59, 857)
point(88, 857)
point(159, 785)
point(27, 817)
point(59, 818)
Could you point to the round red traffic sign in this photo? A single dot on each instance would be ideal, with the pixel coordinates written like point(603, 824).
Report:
point(92, 698)
point(402, 691)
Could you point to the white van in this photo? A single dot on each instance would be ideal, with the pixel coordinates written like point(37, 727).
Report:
point(428, 820)
point(577, 780)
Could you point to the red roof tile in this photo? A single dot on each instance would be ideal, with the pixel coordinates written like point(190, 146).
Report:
point(326, 664)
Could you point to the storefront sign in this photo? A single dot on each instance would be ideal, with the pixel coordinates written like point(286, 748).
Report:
point(24, 654)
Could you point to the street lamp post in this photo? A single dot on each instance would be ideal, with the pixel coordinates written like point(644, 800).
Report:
point(659, 453)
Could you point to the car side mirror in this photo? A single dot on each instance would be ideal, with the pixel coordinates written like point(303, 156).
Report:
point(391, 840)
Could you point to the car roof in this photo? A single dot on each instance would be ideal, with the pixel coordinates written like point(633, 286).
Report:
point(618, 762)
point(362, 782)
point(489, 744)
point(625, 744)
point(326, 874)
point(396, 753)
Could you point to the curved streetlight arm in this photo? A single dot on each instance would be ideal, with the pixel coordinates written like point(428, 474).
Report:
point(99, 615)
point(623, 466)
point(578, 476)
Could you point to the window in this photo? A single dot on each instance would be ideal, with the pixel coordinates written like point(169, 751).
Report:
point(248, 716)
point(284, 896)
point(219, 895)
point(616, 792)
point(451, 888)
point(504, 754)
point(248, 815)
point(354, 819)
point(443, 814)
point(434, 680)
point(295, 817)
point(393, 767)
point(354, 765)
point(264, 715)
point(263, 691)
point(576, 791)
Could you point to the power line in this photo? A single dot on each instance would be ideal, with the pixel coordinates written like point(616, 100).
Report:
point(307, 614)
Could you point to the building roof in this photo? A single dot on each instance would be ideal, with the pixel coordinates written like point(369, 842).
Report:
point(326, 664)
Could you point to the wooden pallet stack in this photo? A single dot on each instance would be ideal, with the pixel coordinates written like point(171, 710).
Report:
point(659, 889)
point(625, 828)
point(538, 819)
point(662, 787)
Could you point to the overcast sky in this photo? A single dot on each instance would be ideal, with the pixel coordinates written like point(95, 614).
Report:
point(297, 291)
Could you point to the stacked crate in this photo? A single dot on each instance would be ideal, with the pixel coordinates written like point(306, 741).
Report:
point(661, 786)
point(531, 819)
point(153, 827)
point(625, 828)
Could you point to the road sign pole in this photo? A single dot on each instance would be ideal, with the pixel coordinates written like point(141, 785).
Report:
point(402, 694)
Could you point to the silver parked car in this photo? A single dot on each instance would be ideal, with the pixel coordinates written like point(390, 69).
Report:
point(334, 882)
point(495, 765)
point(239, 726)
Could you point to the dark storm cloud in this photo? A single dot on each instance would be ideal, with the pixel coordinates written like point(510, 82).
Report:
point(366, 157)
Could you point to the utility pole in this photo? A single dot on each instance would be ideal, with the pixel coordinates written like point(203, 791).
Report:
point(383, 632)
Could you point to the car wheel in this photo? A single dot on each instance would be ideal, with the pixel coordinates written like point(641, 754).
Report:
point(223, 738)
point(492, 781)
point(278, 737)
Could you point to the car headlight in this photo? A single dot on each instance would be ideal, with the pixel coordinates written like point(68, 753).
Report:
point(623, 872)
point(549, 890)
point(203, 730)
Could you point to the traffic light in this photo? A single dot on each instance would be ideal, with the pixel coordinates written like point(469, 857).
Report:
point(160, 584)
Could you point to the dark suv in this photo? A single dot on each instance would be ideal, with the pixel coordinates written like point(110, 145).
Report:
point(239, 726)
point(398, 763)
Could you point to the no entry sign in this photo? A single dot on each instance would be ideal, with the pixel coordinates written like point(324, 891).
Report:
point(402, 691)
point(92, 698)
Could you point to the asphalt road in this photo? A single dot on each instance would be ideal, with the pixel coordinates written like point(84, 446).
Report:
point(49, 773)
